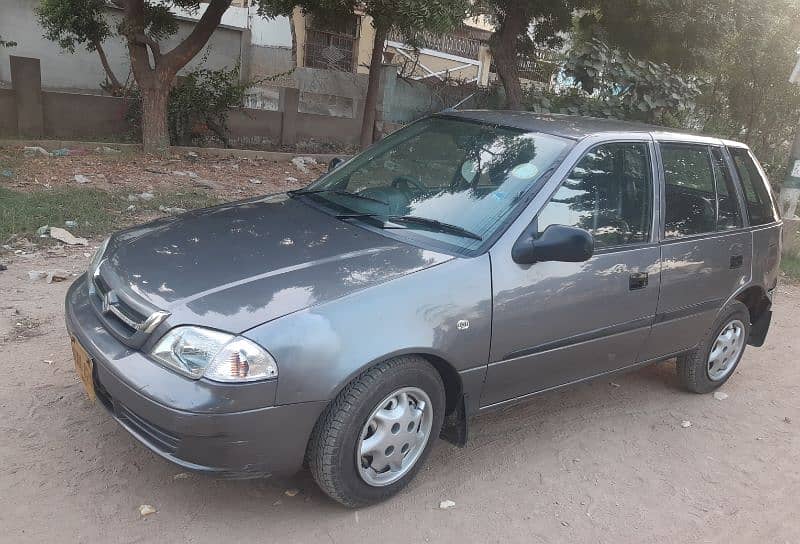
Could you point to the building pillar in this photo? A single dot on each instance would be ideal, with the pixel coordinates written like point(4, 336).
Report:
point(26, 79)
point(289, 104)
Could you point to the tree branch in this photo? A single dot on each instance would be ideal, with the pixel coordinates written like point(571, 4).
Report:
point(155, 48)
point(186, 50)
point(115, 84)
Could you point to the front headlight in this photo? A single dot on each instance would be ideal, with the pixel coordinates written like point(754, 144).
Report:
point(198, 352)
point(97, 258)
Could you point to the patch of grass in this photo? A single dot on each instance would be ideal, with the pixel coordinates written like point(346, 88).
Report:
point(23, 213)
point(790, 264)
point(96, 211)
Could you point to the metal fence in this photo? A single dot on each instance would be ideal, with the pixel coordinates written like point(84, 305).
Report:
point(453, 44)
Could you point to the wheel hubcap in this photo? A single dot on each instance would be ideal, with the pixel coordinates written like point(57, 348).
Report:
point(394, 436)
point(726, 350)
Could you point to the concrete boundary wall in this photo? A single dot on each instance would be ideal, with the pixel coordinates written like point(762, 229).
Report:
point(74, 116)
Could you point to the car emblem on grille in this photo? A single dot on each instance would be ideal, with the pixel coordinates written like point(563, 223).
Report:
point(110, 303)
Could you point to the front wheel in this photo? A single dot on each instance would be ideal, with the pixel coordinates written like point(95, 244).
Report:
point(715, 358)
point(373, 438)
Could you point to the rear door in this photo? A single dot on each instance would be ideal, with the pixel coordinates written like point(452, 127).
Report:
point(706, 250)
point(763, 215)
point(554, 323)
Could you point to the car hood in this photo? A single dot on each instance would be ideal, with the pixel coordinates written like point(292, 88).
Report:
point(236, 266)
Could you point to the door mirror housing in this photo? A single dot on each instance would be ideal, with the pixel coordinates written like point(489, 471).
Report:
point(558, 243)
point(334, 163)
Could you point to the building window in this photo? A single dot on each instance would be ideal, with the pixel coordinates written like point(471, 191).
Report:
point(331, 46)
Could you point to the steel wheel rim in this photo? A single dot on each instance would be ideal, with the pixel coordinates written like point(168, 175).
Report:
point(725, 350)
point(394, 436)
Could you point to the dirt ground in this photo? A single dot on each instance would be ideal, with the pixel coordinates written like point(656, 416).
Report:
point(228, 178)
point(603, 462)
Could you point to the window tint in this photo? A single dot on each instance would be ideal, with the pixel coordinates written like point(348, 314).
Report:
point(730, 216)
point(689, 190)
point(760, 208)
point(609, 193)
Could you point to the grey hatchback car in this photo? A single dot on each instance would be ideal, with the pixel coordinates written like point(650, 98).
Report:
point(468, 261)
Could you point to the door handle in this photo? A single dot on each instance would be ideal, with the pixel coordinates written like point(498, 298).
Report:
point(638, 280)
point(737, 261)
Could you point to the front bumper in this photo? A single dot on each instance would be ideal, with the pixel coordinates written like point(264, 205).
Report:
point(229, 431)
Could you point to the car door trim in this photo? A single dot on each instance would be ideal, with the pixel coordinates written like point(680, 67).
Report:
point(688, 311)
point(620, 328)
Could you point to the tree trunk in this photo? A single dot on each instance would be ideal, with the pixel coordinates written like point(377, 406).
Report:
point(155, 132)
point(373, 87)
point(503, 44)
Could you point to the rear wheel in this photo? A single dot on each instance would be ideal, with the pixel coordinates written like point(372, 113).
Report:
point(717, 355)
point(373, 438)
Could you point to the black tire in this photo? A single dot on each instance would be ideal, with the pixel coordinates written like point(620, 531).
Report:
point(332, 447)
point(692, 367)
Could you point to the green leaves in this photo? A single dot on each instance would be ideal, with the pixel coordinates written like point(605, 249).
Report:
point(605, 82)
point(198, 105)
point(70, 23)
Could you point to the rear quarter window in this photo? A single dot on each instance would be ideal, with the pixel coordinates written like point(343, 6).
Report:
point(758, 196)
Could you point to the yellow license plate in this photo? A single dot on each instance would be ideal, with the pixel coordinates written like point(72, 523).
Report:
point(83, 366)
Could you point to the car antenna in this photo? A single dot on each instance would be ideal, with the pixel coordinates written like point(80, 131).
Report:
point(455, 108)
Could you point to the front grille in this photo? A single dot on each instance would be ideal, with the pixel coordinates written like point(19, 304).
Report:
point(154, 435)
point(120, 316)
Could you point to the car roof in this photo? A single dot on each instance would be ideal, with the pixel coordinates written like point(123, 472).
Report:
point(573, 126)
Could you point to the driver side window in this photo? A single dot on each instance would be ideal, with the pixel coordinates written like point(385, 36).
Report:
point(609, 193)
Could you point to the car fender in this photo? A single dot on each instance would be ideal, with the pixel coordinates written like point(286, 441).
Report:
point(443, 312)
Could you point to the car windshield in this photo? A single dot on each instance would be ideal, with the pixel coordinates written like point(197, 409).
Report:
point(452, 181)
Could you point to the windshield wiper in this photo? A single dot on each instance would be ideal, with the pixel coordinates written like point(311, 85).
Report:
point(432, 224)
point(339, 192)
point(356, 215)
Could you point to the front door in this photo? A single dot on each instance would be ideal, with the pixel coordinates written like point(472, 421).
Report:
point(555, 323)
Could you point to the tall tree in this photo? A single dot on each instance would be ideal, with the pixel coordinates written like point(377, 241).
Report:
point(409, 17)
point(144, 24)
point(522, 26)
point(749, 96)
point(682, 33)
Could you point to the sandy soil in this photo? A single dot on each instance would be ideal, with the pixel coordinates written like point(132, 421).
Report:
point(228, 178)
point(601, 462)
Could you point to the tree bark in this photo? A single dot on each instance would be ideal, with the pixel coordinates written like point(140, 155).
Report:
point(373, 87)
point(155, 132)
point(503, 44)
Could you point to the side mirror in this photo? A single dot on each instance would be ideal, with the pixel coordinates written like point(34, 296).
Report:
point(334, 163)
point(557, 243)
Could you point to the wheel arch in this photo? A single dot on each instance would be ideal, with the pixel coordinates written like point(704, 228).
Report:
point(453, 384)
point(756, 299)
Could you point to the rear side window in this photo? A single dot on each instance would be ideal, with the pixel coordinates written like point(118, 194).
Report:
point(609, 193)
point(689, 190)
point(760, 207)
point(730, 215)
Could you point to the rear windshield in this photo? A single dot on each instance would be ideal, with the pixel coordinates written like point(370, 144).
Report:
point(461, 174)
point(760, 203)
